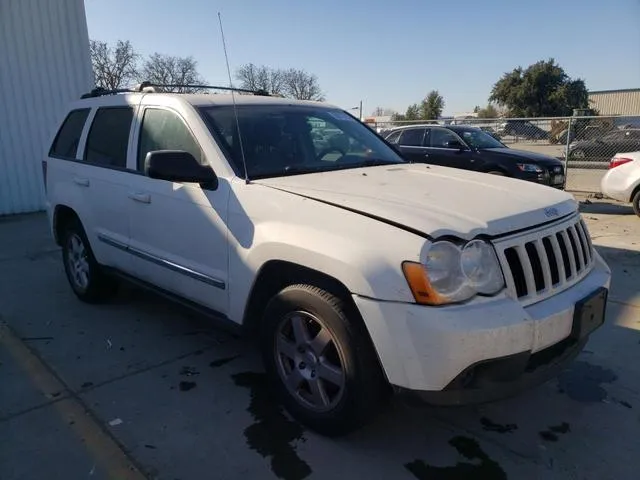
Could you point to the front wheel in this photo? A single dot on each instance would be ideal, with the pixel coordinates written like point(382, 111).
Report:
point(320, 360)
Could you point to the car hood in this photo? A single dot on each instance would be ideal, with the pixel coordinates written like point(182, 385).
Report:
point(520, 155)
point(433, 200)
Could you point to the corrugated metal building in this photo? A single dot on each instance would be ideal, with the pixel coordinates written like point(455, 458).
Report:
point(44, 63)
point(616, 102)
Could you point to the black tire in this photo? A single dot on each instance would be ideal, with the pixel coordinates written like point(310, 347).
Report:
point(363, 388)
point(578, 154)
point(635, 202)
point(99, 286)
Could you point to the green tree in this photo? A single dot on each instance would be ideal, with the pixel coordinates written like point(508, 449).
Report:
point(541, 90)
point(490, 111)
point(432, 106)
point(413, 113)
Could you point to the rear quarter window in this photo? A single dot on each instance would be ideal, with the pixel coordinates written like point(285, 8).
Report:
point(65, 145)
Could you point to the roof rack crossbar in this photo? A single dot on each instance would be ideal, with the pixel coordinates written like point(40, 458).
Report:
point(99, 91)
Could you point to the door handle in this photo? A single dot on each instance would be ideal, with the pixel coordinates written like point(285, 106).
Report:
point(83, 182)
point(426, 155)
point(140, 197)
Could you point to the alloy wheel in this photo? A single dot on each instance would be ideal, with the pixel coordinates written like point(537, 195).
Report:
point(309, 362)
point(77, 262)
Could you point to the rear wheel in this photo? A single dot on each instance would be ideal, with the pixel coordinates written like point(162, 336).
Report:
point(635, 201)
point(578, 153)
point(86, 277)
point(320, 360)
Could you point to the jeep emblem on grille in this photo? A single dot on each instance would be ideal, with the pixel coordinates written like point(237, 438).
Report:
point(551, 212)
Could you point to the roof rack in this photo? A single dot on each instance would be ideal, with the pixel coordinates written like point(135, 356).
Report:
point(148, 87)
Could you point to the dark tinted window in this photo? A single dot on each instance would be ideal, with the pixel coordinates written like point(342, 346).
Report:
point(287, 140)
point(66, 142)
point(165, 130)
point(109, 136)
point(412, 137)
point(393, 138)
point(440, 136)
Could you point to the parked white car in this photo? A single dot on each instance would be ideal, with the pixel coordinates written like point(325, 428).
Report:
point(622, 180)
point(361, 274)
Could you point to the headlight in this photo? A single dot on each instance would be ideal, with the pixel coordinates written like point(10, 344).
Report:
point(451, 273)
point(530, 167)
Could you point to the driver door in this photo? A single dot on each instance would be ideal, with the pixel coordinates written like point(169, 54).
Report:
point(178, 230)
point(448, 156)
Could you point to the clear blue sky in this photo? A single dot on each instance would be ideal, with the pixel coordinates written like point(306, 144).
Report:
point(388, 54)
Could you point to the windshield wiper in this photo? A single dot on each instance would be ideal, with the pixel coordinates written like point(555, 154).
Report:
point(374, 162)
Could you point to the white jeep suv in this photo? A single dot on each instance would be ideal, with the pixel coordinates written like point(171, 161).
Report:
point(360, 273)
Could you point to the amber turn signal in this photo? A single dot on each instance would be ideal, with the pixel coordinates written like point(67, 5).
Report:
point(418, 281)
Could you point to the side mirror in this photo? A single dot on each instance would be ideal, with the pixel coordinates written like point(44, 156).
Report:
point(179, 166)
point(454, 144)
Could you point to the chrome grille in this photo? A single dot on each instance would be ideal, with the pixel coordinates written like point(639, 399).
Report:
point(539, 263)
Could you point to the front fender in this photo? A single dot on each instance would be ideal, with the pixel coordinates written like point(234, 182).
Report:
point(362, 253)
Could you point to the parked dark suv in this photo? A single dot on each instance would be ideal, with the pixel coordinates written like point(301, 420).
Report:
point(522, 128)
point(471, 148)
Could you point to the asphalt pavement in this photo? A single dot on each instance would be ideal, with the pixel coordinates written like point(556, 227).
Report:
point(142, 389)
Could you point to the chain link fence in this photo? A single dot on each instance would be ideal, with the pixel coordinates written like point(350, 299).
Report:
point(585, 143)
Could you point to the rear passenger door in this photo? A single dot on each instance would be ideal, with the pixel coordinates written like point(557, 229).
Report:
point(411, 144)
point(105, 178)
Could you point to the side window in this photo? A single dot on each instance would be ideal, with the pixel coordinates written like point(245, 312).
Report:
point(65, 144)
point(394, 137)
point(109, 137)
point(412, 137)
point(440, 137)
point(165, 130)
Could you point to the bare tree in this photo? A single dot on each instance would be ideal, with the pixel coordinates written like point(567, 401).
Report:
point(253, 77)
point(169, 70)
point(383, 112)
point(292, 82)
point(302, 85)
point(113, 67)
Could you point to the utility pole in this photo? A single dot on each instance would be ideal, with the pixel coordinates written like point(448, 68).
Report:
point(359, 110)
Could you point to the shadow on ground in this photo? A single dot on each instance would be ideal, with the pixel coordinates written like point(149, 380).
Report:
point(193, 399)
point(604, 207)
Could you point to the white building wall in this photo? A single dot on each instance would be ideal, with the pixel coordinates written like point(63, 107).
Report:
point(44, 63)
point(616, 102)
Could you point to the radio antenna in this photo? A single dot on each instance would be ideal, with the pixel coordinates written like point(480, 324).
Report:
point(233, 98)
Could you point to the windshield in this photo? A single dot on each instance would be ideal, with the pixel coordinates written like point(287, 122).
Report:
point(479, 139)
point(282, 140)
